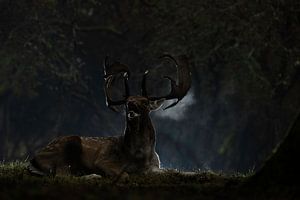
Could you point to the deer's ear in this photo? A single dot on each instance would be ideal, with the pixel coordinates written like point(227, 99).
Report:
point(155, 105)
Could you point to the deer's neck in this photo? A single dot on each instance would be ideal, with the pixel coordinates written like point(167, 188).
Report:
point(139, 138)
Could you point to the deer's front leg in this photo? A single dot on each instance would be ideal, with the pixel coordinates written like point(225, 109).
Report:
point(107, 168)
point(112, 168)
point(91, 176)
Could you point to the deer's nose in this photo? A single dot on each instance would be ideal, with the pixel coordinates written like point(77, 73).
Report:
point(139, 153)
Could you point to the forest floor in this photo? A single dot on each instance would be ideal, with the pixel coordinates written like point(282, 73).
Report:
point(17, 183)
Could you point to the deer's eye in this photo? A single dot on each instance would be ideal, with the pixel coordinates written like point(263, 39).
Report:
point(132, 114)
point(145, 104)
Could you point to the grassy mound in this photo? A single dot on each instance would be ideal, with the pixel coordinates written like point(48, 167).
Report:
point(16, 183)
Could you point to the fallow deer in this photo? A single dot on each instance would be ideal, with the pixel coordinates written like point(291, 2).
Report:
point(131, 153)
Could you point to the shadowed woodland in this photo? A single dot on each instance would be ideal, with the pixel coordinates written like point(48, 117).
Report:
point(240, 116)
point(244, 58)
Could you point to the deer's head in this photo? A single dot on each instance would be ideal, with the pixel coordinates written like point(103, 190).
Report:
point(139, 130)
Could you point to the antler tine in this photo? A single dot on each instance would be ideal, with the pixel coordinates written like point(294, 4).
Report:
point(114, 68)
point(184, 80)
point(109, 76)
point(144, 86)
point(127, 91)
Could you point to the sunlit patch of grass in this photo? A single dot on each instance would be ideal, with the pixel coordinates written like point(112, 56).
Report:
point(12, 169)
point(247, 174)
point(13, 165)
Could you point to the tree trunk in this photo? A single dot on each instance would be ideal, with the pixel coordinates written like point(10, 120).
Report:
point(283, 167)
point(2, 124)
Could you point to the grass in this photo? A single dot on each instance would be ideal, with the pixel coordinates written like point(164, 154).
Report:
point(17, 183)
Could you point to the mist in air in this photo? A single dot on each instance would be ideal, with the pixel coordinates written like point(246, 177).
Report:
point(179, 111)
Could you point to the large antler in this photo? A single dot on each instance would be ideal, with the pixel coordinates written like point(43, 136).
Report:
point(109, 76)
point(184, 81)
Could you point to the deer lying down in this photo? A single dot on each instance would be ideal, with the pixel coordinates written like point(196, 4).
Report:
point(131, 153)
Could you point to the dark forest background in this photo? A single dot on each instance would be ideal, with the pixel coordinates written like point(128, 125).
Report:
point(244, 56)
